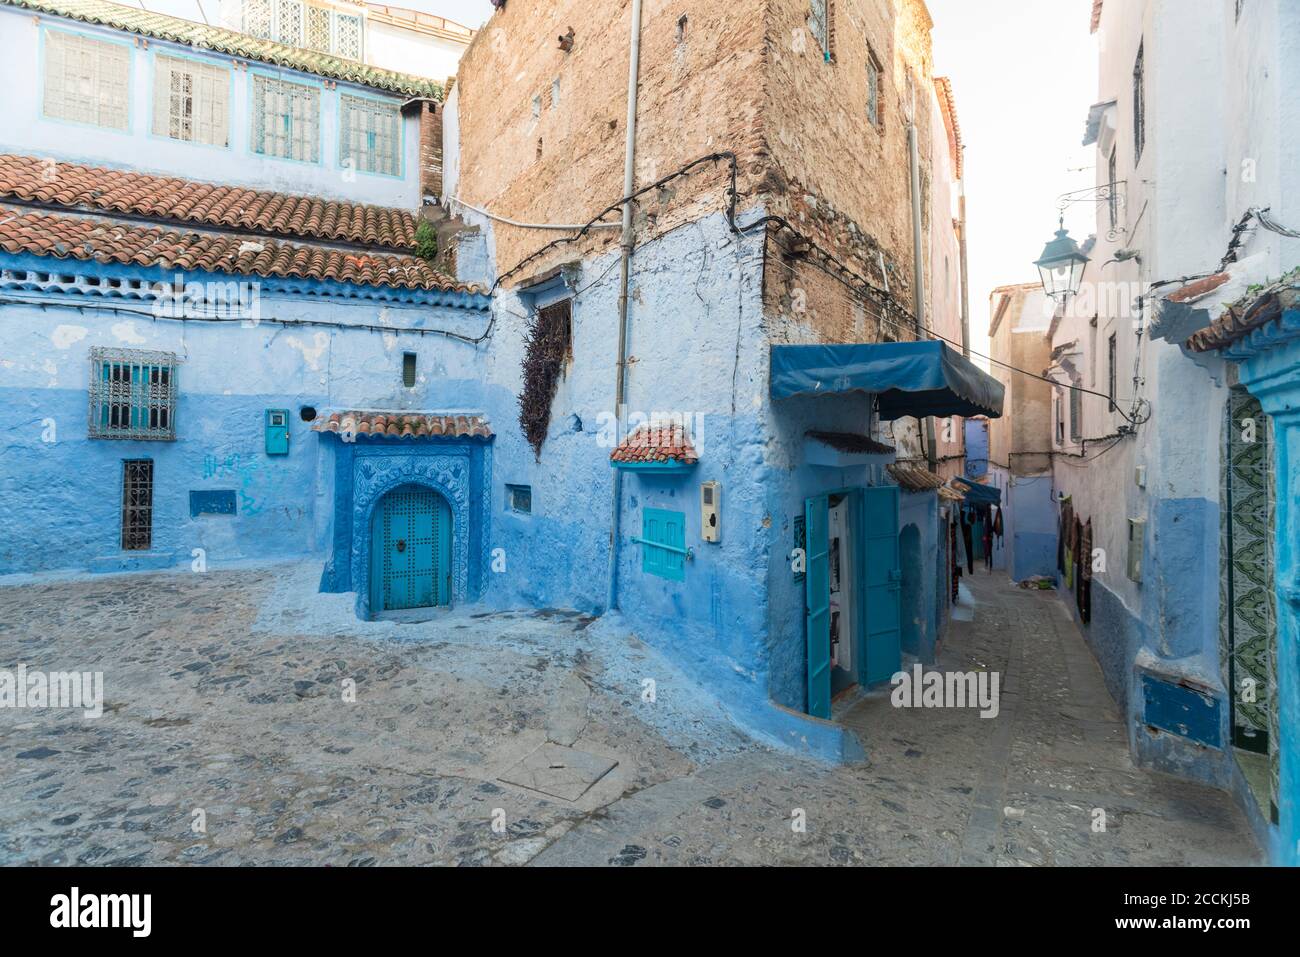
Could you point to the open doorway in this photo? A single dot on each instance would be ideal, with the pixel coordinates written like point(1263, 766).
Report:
point(852, 586)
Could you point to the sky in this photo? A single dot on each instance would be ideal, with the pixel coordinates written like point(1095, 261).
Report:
point(1024, 73)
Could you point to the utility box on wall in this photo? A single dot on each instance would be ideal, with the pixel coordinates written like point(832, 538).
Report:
point(1137, 528)
point(710, 512)
point(277, 431)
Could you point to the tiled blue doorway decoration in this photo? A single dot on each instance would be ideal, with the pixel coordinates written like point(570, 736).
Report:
point(457, 470)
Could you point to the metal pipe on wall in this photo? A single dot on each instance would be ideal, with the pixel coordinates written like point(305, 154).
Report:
point(625, 270)
point(918, 276)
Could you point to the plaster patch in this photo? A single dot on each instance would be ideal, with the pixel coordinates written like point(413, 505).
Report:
point(64, 336)
point(310, 354)
point(52, 371)
point(125, 332)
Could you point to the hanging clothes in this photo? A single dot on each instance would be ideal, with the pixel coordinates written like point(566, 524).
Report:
point(1085, 575)
point(997, 521)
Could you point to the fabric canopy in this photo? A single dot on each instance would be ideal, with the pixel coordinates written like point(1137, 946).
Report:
point(909, 378)
point(977, 494)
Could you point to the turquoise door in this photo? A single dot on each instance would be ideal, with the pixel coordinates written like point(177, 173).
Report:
point(817, 604)
point(882, 582)
point(410, 563)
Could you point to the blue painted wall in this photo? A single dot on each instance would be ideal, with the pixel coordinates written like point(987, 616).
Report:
point(1029, 527)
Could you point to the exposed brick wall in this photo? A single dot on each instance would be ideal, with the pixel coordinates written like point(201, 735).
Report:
point(430, 151)
point(745, 76)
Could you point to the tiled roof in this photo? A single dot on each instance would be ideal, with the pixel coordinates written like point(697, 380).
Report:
point(656, 443)
point(32, 179)
point(219, 40)
point(1096, 14)
point(112, 241)
point(1202, 287)
point(1241, 319)
point(948, 103)
point(851, 442)
point(950, 494)
point(405, 425)
point(913, 479)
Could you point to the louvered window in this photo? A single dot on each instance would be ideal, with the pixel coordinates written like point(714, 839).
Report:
point(370, 135)
point(87, 80)
point(286, 119)
point(191, 101)
point(132, 394)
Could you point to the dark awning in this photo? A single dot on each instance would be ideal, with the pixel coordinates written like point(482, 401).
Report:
point(909, 378)
point(977, 493)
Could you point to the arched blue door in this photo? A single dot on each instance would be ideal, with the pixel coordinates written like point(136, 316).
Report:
point(410, 550)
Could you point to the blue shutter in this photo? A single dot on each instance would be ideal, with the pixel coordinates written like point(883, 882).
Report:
point(883, 582)
point(663, 544)
point(817, 588)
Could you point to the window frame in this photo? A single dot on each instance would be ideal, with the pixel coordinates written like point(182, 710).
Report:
point(201, 66)
point(1140, 102)
point(875, 86)
point(825, 40)
point(1112, 374)
point(259, 79)
point(116, 395)
point(80, 37)
point(344, 109)
point(141, 540)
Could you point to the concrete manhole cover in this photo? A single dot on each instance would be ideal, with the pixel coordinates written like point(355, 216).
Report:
point(559, 771)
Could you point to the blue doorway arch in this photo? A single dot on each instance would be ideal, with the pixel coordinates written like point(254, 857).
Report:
point(410, 550)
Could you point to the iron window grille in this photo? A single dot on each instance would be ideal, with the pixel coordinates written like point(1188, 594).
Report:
point(819, 22)
point(875, 74)
point(286, 119)
point(307, 25)
point(1140, 102)
point(519, 498)
point(1112, 382)
point(86, 80)
point(132, 395)
point(191, 101)
point(1076, 414)
point(370, 136)
point(137, 505)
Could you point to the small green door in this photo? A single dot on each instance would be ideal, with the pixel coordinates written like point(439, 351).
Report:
point(817, 604)
point(410, 551)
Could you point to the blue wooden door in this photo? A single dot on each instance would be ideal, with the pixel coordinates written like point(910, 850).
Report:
point(817, 604)
point(882, 582)
point(411, 550)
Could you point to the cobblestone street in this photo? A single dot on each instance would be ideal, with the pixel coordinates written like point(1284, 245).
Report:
point(227, 738)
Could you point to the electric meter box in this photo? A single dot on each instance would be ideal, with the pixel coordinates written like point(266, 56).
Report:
point(711, 512)
point(277, 431)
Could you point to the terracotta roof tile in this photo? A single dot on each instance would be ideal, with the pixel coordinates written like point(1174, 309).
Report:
point(1202, 287)
point(1241, 319)
point(114, 241)
point(35, 180)
point(219, 40)
point(405, 425)
point(656, 443)
point(913, 479)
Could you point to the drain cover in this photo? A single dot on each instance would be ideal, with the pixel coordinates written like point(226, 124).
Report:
point(559, 771)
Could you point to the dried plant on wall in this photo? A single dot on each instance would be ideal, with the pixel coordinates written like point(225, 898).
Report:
point(546, 347)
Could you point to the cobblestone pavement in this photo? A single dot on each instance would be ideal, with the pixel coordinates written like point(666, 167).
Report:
point(227, 739)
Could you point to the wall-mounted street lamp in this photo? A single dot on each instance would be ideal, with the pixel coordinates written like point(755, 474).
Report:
point(1061, 265)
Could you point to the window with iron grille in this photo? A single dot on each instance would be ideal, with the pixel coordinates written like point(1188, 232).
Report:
point(86, 80)
point(191, 101)
point(819, 22)
point(137, 504)
point(1140, 102)
point(875, 76)
point(1112, 200)
point(1112, 383)
point(132, 395)
point(1076, 414)
point(370, 135)
point(286, 119)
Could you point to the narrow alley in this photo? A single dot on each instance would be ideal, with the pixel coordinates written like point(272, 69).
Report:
point(223, 706)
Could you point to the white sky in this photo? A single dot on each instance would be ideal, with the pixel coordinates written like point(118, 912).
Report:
point(1024, 73)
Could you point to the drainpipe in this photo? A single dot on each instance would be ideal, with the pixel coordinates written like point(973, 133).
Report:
point(625, 269)
point(918, 275)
